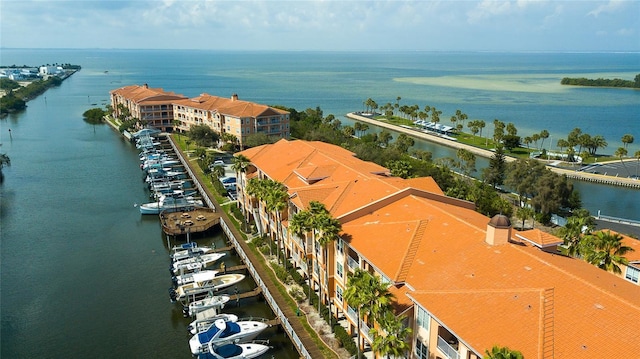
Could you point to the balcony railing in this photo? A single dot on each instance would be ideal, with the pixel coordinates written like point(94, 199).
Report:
point(352, 314)
point(364, 328)
point(446, 349)
point(353, 264)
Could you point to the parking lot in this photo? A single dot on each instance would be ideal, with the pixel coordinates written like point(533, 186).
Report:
point(628, 168)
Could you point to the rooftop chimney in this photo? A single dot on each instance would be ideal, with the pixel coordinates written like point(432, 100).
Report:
point(498, 230)
point(234, 97)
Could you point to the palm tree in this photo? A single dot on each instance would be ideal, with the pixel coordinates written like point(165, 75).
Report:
point(481, 125)
point(218, 171)
point(370, 297)
point(358, 128)
point(355, 295)
point(607, 251)
point(620, 153)
point(300, 225)
point(577, 226)
point(393, 338)
point(502, 353)
point(461, 117)
point(627, 139)
point(348, 131)
point(637, 156)
point(328, 229)
point(378, 300)
point(435, 115)
point(562, 143)
point(277, 201)
point(384, 138)
point(544, 134)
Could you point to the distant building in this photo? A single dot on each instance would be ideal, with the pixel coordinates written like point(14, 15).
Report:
point(50, 70)
point(231, 115)
point(152, 106)
point(169, 112)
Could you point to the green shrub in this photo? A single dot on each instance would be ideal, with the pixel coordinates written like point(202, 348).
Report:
point(345, 339)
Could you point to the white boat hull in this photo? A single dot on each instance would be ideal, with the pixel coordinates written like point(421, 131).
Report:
point(235, 351)
point(217, 301)
point(198, 262)
point(226, 332)
point(199, 325)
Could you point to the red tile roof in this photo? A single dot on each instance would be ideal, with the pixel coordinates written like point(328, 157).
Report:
point(230, 107)
point(512, 295)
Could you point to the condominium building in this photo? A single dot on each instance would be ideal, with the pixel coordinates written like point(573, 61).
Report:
point(466, 282)
point(231, 115)
point(169, 112)
point(152, 106)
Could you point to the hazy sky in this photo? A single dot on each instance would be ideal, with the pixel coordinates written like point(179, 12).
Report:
point(521, 25)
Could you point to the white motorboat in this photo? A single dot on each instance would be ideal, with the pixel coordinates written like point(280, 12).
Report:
point(200, 325)
point(226, 332)
point(200, 276)
point(211, 301)
point(202, 288)
point(179, 255)
point(195, 263)
point(170, 203)
point(235, 351)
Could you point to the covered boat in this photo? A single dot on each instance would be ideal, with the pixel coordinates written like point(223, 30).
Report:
point(195, 263)
point(170, 203)
point(199, 288)
point(211, 301)
point(224, 332)
point(200, 325)
point(235, 351)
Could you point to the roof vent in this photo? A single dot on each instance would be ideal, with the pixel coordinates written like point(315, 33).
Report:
point(498, 230)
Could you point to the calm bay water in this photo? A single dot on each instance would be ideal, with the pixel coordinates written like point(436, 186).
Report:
point(83, 274)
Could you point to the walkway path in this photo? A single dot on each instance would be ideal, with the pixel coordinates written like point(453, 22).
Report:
point(295, 321)
point(583, 176)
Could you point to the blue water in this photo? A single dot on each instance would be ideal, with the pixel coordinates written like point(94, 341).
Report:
point(529, 95)
point(84, 275)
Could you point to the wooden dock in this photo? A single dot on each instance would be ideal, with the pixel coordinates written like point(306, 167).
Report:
point(198, 220)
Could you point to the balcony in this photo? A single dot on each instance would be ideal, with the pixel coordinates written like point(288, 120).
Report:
point(352, 314)
point(352, 263)
point(297, 240)
point(448, 347)
point(364, 329)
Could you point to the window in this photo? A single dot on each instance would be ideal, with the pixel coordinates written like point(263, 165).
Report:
point(423, 318)
point(339, 270)
point(632, 274)
point(422, 350)
point(339, 246)
point(339, 293)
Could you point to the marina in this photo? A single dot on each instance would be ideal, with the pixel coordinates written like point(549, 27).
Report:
point(206, 296)
point(66, 205)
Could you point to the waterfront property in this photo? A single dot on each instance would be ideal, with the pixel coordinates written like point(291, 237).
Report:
point(465, 281)
point(150, 105)
point(170, 112)
point(231, 115)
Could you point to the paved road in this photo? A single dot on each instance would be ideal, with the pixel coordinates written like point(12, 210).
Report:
point(620, 228)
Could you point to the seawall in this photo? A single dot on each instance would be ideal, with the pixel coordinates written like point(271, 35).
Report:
point(582, 176)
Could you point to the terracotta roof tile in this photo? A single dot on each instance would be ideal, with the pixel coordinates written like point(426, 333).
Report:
point(484, 294)
point(229, 106)
point(539, 238)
